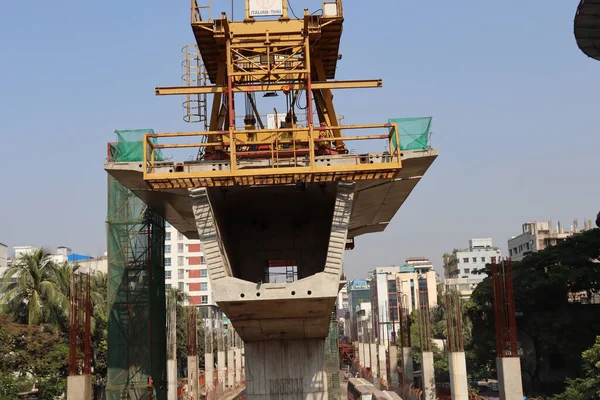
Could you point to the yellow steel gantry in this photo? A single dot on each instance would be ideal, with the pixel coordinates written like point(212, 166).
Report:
point(297, 57)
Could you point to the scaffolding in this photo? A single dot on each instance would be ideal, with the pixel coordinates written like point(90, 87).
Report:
point(136, 287)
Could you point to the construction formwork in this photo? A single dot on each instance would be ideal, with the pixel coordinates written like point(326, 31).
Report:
point(136, 287)
point(332, 359)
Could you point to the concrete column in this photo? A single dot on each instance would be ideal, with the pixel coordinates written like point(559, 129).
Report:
point(510, 383)
point(221, 367)
point(427, 373)
point(407, 366)
point(193, 384)
point(230, 367)
point(286, 369)
point(382, 362)
point(361, 355)
point(209, 369)
point(79, 387)
point(373, 352)
point(393, 350)
point(172, 379)
point(238, 365)
point(458, 376)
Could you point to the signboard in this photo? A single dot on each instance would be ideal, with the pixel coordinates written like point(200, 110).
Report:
point(265, 8)
point(275, 121)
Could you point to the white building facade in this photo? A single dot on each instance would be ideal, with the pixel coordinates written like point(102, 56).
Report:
point(3, 258)
point(186, 269)
point(537, 236)
point(463, 269)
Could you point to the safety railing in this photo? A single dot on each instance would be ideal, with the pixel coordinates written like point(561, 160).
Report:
point(282, 147)
point(196, 11)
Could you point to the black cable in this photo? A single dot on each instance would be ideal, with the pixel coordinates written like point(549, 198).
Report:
point(292, 10)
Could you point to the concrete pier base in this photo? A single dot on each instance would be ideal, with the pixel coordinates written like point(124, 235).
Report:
point(172, 379)
point(362, 357)
point(382, 358)
point(458, 376)
point(393, 355)
point(79, 387)
point(510, 383)
point(230, 368)
point(427, 373)
point(286, 369)
point(373, 355)
point(238, 365)
point(408, 376)
point(221, 368)
point(193, 383)
point(209, 369)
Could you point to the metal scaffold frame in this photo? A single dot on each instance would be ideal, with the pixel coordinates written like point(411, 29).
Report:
point(136, 293)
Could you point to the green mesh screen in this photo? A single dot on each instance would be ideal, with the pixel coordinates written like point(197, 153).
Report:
point(136, 291)
point(414, 133)
point(129, 146)
point(332, 359)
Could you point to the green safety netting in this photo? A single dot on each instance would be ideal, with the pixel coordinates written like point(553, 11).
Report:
point(414, 132)
point(130, 146)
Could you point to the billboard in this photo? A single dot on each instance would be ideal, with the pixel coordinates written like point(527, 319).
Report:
point(265, 8)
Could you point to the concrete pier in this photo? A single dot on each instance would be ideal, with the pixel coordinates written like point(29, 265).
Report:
point(373, 355)
point(209, 369)
point(382, 358)
point(230, 368)
point(458, 376)
point(510, 383)
point(427, 373)
point(172, 379)
point(79, 387)
point(238, 365)
point(221, 368)
point(193, 383)
point(286, 369)
point(393, 355)
point(407, 366)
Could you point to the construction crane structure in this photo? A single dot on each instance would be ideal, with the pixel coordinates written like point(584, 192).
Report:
point(274, 184)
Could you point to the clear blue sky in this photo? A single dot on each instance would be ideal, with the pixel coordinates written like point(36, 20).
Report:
point(515, 105)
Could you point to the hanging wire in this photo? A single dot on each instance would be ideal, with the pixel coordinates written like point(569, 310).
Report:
point(292, 10)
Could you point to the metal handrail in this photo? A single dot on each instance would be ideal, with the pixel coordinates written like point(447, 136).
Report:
point(196, 15)
point(308, 143)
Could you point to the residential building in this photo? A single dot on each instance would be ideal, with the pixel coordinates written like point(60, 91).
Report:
point(364, 325)
point(185, 268)
point(464, 269)
point(390, 285)
point(537, 236)
point(358, 292)
point(94, 265)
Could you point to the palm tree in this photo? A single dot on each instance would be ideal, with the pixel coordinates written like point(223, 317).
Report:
point(30, 293)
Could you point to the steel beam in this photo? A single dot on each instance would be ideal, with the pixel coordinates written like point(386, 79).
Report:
point(190, 90)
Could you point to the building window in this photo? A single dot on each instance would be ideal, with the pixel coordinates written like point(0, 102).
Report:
point(466, 260)
point(493, 260)
point(392, 300)
point(527, 245)
point(391, 286)
point(167, 235)
point(180, 274)
point(168, 248)
point(180, 261)
point(180, 286)
point(204, 300)
point(474, 259)
point(482, 259)
point(179, 236)
point(203, 273)
point(167, 286)
point(167, 262)
point(202, 260)
point(203, 286)
point(467, 270)
point(510, 252)
point(167, 274)
point(180, 247)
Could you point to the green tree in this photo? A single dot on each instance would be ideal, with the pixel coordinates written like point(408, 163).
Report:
point(588, 387)
point(30, 292)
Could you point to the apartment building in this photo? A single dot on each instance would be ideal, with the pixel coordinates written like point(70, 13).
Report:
point(185, 268)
